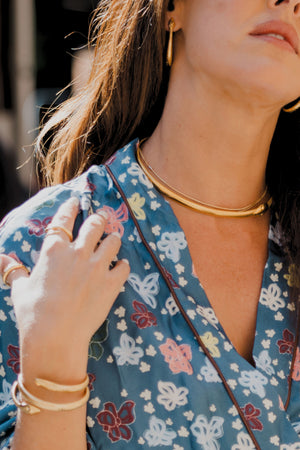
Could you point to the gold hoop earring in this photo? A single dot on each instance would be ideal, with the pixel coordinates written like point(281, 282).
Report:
point(292, 108)
point(170, 43)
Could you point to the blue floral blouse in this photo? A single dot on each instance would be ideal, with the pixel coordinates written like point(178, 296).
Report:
point(162, 371)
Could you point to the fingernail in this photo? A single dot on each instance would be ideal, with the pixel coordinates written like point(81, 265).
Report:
point(102, 213)
point(115, 233)
point(125, 261)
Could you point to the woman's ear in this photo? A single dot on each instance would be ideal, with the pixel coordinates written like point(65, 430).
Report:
point(171, 6)
point(175, 12)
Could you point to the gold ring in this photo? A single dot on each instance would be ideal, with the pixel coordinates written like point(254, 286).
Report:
point(10, 269)
point(55, 229)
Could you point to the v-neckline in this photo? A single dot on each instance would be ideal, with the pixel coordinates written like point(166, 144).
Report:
point(205, 298)
point(154, 224)
point(169, 224)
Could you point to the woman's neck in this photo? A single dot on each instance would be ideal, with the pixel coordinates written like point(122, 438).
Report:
point(212, 145)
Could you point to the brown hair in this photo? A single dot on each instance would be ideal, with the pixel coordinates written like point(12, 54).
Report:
point(123, 95)
point(124, 98)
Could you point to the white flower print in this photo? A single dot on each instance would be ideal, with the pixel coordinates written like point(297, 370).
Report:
point(138, 237)
point(263, 362)
point(158, 433)
point(171, 396)
point(208, 314)
point(209, 372)
point(290, 447)
point(127, 352)
point(5, 396)
point(254, 381)
point(275, 234)
point(85, 202)
point(147, 288)
point(207, 433)
point(244, 442)
point(171, 306)
point(296, 426)
point(171, 244)
point(271, 297)
point(99, 170)
point(136, 171)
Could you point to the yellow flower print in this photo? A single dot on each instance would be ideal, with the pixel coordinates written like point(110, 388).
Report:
point(292, 277)
point(137, 202)
point(210, 343)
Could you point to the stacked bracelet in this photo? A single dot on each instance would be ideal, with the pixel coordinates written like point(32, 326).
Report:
point(51, 386)
point(30, 404)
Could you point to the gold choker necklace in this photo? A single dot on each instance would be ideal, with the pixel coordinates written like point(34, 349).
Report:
point(257, 208)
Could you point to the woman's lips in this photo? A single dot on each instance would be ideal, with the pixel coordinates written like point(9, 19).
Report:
point(279, 33)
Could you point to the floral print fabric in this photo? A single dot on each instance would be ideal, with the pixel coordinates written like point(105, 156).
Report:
point(151, 383)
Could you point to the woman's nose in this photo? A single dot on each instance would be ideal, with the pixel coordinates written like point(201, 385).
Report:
point(293, 4)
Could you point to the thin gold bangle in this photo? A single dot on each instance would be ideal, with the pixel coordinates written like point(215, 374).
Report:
point(55, 387)
point(20, 404)
point(39, 404)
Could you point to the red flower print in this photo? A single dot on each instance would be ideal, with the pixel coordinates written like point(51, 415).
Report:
point(296, 371)
point(14, 361)
point(171, 279)
point(177, 356)
point(90, 187)
point(252, 414)
point(142, 317)
point(92, 378)
point(115, 422)
point(115, 218)
point(287, 343)
point(37, 226)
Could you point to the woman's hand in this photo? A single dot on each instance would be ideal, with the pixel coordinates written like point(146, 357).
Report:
point(68, 295)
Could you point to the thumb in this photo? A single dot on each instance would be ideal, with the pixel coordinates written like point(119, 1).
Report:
point(12, 269)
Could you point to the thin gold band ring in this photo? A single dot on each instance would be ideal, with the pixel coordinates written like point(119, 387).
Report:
point(11, 268)
point(55, 229)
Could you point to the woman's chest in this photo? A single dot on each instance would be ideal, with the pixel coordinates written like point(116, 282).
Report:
point(231, 274)
point(230, 265)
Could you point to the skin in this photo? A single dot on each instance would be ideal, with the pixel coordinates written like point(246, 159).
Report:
point(212, 142)
point(225, 94)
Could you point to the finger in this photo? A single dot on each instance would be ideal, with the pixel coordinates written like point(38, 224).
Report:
point(109, 248)
point(62, 224)
point(121, 270)
point(12, 270)
point(90, 232)
point(119, 274)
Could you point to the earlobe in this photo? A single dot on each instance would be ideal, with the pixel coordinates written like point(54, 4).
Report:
point(174, 11)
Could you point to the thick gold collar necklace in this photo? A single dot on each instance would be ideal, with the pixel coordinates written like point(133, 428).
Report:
point(257, 208)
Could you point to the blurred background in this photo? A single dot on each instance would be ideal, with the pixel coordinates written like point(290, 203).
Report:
point(42, 48)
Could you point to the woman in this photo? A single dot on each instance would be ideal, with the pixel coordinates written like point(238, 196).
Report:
point(213, 192)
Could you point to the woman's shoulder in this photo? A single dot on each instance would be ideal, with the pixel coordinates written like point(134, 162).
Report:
point(40, 208)
point(94, 187)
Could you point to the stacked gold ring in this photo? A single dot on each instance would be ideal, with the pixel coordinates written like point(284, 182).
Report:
point(56, 229)
point(11, 268)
